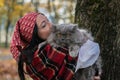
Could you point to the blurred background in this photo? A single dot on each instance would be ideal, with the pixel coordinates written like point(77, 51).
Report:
point(57, 11)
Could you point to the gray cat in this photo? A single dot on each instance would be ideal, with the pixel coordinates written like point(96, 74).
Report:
point(69, 35)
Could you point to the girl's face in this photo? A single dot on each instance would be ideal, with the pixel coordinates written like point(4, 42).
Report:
point(44, 26)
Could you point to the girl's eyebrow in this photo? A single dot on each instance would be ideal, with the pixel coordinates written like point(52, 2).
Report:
point(39, 24)
point(42, 22)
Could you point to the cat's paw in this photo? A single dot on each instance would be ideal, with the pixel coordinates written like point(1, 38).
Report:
point(73, 54)
point(73, 50)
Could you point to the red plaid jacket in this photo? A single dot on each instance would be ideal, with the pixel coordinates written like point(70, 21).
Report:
point(52, 64)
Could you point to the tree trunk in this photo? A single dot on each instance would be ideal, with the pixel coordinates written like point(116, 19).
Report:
point(49, 6)
point(6, 31)
point(36, 5)
point(102, 18)
point(0, 30)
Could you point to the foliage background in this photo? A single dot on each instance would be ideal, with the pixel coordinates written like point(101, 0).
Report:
point(57, 11)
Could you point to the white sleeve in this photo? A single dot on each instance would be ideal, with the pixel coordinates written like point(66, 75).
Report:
point(88, 54)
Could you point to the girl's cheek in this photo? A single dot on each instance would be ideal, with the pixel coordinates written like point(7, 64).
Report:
point(42, 34)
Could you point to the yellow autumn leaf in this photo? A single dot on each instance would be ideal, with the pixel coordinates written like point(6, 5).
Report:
point(1, 3)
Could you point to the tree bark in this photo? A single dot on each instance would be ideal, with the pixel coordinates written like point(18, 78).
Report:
point(6, 31)
point(102, 18)
point(0, 30)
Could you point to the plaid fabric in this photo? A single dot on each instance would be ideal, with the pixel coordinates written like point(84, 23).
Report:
point(52, 64)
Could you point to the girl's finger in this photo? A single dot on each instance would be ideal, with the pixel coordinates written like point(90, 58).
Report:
point(97, 78)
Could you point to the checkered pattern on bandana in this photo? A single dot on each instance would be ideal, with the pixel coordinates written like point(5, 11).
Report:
point(22, 34)
point(52, 64)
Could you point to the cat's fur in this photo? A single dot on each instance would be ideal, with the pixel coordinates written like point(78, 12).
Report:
point(71, 36)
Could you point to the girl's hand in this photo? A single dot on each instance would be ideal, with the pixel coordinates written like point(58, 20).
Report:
point(96, 77)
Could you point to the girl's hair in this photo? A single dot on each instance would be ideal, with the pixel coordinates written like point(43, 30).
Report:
point(27, 54)
point(35, 38)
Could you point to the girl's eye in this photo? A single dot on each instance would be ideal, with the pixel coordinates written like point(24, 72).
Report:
point(43, 24)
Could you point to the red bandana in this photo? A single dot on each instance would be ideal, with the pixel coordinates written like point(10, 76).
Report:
point(22, 33)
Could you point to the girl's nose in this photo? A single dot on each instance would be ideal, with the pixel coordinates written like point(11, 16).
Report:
point(50, 26)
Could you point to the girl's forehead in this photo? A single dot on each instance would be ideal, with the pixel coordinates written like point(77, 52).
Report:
point(41, 18)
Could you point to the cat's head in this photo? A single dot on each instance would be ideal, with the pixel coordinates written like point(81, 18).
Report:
point(68, 34)
point(63, 33)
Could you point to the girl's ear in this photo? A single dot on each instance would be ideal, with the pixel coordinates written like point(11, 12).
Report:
point(54, 27)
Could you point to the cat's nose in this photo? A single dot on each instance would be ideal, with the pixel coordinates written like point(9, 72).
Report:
point(63, 40)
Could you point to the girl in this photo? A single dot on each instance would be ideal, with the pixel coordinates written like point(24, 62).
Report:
point(30, 30)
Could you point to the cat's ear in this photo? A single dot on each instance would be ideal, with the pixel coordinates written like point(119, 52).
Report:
point(54, 27)
point(75, 26)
